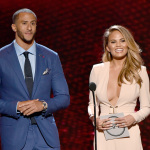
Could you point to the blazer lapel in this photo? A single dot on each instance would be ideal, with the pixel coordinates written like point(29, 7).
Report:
point(40, 67)
point(14, 62)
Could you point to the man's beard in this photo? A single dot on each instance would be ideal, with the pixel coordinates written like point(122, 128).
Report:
point(21, 36)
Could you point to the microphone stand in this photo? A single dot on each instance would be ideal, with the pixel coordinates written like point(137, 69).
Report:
point(95, 121)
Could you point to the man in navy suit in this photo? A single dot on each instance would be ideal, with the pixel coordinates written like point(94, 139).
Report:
point(26, 109)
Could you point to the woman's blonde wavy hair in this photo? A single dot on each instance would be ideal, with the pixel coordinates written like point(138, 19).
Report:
point(133, 62)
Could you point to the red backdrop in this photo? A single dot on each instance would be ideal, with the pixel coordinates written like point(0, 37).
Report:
point(74, 29)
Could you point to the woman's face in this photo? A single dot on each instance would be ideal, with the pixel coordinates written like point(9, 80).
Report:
point(117, 45)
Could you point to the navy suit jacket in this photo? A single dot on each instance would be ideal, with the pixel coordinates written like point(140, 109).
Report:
point(14, 126)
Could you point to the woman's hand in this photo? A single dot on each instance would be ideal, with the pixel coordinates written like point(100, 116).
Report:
point(125, 121)
point(102, 124)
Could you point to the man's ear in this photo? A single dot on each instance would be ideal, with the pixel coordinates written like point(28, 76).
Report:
point(13, 26)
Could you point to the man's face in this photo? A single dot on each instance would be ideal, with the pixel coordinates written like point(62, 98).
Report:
point(25, 27)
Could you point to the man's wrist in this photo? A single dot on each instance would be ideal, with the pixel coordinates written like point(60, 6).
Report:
point(45, 105)
point(17, 111)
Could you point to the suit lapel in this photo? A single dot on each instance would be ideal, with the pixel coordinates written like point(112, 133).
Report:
point(14, 62)
point(40, 68)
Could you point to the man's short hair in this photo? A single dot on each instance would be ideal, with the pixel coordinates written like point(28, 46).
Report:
point(16, 14)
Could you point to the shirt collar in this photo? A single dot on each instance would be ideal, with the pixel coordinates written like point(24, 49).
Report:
point(20, 50)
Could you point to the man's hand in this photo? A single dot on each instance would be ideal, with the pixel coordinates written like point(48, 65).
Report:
point(29, 107)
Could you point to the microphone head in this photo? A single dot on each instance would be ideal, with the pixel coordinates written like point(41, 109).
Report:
point(92, 86)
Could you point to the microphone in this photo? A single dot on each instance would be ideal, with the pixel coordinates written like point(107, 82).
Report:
point(92, 86)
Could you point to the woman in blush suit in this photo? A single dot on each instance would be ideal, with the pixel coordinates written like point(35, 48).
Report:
point(121, 80)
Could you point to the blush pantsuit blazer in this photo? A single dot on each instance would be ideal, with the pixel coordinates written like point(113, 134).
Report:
point(126, 104)
point(13, 125)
